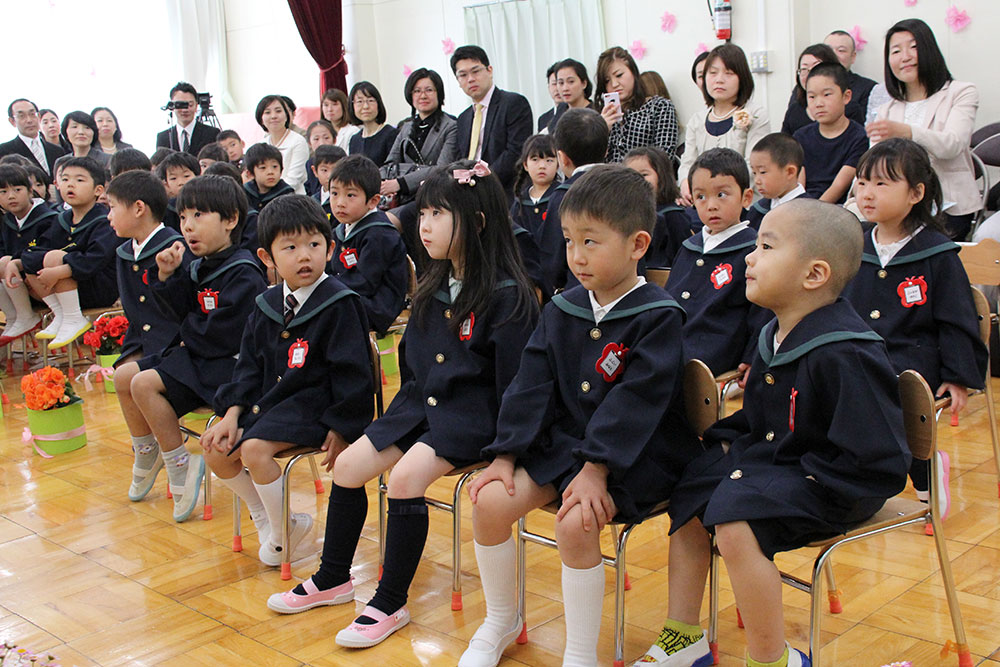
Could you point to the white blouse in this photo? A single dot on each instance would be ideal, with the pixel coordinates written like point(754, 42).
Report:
point(294, 154)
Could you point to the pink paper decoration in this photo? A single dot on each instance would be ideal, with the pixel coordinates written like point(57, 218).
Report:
point(448, 46)
point(668, 22)
point(637, 50)
point(909, 3)
point(700, 49)
point(407, 71)
point(957, 19)
point(859, 41)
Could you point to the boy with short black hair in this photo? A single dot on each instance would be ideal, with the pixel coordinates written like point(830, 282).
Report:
point(26, 219)
point(39, 182)
point(128, 159)
point(310, 332)
point(581, 144)
point(594, 416)
point(233, 145)
point(211, 153)
point(176, 169)
point(323, 160)
point(264, 163)
point(369, 255)
point(833, 143)
point(818, 446)
point(211, 301)
point(157, 156)
point(708, 274)
point(72, 266)
point(138, 202)
point(775, 162)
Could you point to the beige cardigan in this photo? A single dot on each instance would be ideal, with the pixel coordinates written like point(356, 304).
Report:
point(949, 118)
point(697, 140)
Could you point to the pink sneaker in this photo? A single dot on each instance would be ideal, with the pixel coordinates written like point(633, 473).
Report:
point(357, 635)
point(292, 603)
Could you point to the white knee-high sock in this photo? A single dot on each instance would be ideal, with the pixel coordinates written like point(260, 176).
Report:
point(70, 302)
point(271, 496)
point(583, 593)
point(497, 569)
point(52, 301)
point(21, 300)
point(8, 308)
point(243, 486)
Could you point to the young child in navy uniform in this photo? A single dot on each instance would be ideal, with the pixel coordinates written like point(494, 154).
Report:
point(369, 255)
point(212, 301)
point(249, 239)
point(72, 267)
point(472, 314)
point(265, 164)
point(303, 378)
point(175, 169)
point(818, 446)
point(581, 144)
point(25, 219)
point(672, 224)
point(593, 418)
point(912, 288)
point(708, 274)
point(323, 160)
point(537, 178)
point(775, 163)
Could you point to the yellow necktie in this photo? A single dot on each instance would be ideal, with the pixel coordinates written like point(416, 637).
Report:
point(477, 127)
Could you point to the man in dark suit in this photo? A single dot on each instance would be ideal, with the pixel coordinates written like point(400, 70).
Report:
point(495, 127)
point(186, 135)
point(23, 114)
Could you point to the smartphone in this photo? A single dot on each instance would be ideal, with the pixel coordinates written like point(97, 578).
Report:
point(615, 98)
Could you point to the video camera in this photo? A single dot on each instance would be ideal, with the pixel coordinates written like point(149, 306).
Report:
point(204, 100)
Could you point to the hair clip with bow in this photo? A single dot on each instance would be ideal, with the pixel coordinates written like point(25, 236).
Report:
point(468, 176)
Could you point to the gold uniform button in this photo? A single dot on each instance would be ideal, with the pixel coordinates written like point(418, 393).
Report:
point(685, 295)
point(769, 436)
point(255, 409)
point(135, 267)
point(146, 327)
point(700, 262)
point(447, 313)
point(142, 298)
point(875, 314)
point(882, 273)
point(431, 401)
point(285, 334)
point(736, 474)
point(768, 378)
point(439, 358)
point(536, 209)
point(595, 333)
point(279, 378)
point(585, 386)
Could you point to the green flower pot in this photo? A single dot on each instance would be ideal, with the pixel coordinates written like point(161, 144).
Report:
point(58, 420)
point(108, 361)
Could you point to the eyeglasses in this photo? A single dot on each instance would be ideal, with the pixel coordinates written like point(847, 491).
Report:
point(424, 91)
point(475, 71)
point(365, 101)
point(26, 114)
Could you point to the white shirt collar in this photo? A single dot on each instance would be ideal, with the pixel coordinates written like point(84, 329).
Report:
point(454, 287)
point(27, 140)
point(487, 98)
point(600, 312)
point(887, 252)
point(349, 227)
point(35, 203)
point(788, 196)
point(324, 196)
point(188, 126)
point(712, 241)
point(301, 295)
point(137, 246)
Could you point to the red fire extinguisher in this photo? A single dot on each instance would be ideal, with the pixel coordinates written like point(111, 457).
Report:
point(722, 18)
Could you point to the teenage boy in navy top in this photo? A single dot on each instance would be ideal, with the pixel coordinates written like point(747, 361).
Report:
point(775, 163)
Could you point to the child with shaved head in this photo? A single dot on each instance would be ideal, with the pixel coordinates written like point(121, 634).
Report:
point(818, 446)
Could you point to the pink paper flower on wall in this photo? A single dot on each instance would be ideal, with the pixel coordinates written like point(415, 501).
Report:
point(859, 41)
point(668, 22)
point(909, 3)
point(700, 49)
point(957, 19)
point(448, 46)
point(407, 71)
point(637, 49)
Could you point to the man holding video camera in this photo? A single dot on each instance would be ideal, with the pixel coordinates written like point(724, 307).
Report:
point(186, 134)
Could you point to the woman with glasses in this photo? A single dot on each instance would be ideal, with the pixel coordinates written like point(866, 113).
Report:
point(367, 110)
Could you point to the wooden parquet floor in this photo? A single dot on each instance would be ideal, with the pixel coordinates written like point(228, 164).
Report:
point(98, 580)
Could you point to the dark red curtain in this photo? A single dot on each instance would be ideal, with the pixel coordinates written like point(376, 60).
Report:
point(321, 26)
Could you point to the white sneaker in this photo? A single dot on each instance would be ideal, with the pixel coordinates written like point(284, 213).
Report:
point(69, 331)
point(696, 655)
point(486, 649)
point(270, 551)
point(143, 480)
point(186, 495)
point(50, 331)
point(21, 326)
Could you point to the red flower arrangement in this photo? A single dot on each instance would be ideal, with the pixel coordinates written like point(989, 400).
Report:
point(47, 388)
point(107, 335)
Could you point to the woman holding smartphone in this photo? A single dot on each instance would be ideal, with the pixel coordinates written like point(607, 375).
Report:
point(634, 117)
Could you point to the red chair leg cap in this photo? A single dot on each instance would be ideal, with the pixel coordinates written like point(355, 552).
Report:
point(169, 495)
point(320, 490)
point(207, 514)
point(237, 543)
point(739, 620)
point(965, 658)
point(929, 529)
point(456, 600)
point(286, 571)
point(715, 652)
point(6, 401)
point(836, 607)
point(619, 663)
point(380, 573)
point(628, 582)
point(523, 637)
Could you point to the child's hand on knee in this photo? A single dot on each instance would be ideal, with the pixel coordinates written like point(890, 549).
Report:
point(589, 489)
point(502, 470)
point(333, 446)
point(12, 275)
point(223, 434)
point(48, 277)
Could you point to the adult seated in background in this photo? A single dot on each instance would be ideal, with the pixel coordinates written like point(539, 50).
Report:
point(49, 127)
point(334, 109)
point(275, 118)
point(23, 115)
point(655, 85)
point(108, 132)
point(546, 118)
point(698, 69)
point(187, 134)
point(934, 110)
point(367, 110)
point(641, 119)
point(426, 139)
point(493, 129)
point(861, 87)
point(80, 130)
point(574, 87)
point(796, 115)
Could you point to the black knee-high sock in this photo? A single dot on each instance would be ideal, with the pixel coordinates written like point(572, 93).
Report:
point(920, 473)
point(345, 518)
point(406, 533)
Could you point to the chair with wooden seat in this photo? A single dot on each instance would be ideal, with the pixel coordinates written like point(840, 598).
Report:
point(658, 276)
point(898, 512)
point(411, 288)
point(701, 397)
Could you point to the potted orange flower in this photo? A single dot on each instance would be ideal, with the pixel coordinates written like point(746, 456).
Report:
point(106, 338)
point(55, 412)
